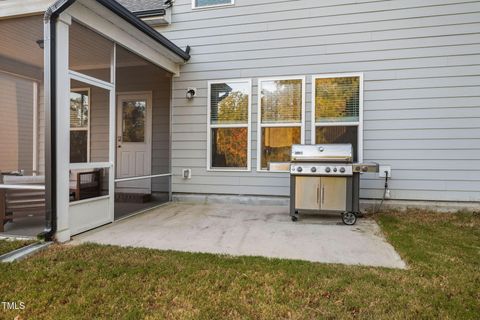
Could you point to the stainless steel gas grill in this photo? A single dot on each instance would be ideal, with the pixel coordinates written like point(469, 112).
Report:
point(323, 178)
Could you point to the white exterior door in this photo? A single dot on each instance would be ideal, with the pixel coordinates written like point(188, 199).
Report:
point(134, 141)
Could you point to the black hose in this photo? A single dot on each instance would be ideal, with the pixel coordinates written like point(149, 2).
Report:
point(375, 208)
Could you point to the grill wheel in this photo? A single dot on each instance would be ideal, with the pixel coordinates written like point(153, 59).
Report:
point(349, 218)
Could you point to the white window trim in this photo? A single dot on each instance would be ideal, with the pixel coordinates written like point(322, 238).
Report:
point(260, 125)
point(248, 125)
point(358, 123)
point(89, 118)
point(232, 2)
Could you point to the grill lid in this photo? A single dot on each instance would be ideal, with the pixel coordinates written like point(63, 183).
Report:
point(322, 153)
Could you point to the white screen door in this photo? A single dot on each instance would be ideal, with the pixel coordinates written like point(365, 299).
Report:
point(134, 141)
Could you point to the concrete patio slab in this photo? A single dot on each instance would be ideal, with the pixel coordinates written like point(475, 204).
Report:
point(253, 231)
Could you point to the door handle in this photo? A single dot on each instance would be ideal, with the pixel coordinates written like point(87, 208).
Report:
point(318, 194)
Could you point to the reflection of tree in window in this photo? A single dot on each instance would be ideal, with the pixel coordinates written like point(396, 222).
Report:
point(229, 105)
point(281, 101)
point(134, 121)
point(337, 99)
point(230, 147)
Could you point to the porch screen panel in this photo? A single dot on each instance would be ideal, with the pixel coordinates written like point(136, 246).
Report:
point(16, 124)
point(22, 126)
point(143, 134)
point(89, 52)
point(79, 125)
point(89, 141)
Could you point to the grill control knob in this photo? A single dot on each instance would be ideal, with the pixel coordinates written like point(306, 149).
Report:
point(327, 169)
point(334, 169)
point(342, 169)
point(299, 169)
point(313, 169)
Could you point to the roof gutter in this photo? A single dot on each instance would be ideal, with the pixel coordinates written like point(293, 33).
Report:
point(150, 13)
point(128, 16)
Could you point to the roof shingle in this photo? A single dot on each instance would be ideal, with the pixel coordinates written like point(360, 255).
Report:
point(141, 5)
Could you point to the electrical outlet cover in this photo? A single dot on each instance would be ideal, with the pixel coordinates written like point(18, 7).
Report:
point(187, 173)
point(382, 169)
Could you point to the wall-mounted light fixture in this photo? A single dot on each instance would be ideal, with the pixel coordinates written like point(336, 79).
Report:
point(41, 43)
point(191, 92)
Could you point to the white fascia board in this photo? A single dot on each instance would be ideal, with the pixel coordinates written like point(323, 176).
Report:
point(12, 8)
point(105, 22)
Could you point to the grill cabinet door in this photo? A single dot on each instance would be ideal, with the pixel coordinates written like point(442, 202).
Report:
point(333, 193)
point(307, 193)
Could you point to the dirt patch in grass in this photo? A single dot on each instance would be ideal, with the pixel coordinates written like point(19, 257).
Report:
point(105, 282)
point(7, 245)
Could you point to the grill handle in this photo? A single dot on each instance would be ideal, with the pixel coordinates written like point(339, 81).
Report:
point(323, 194)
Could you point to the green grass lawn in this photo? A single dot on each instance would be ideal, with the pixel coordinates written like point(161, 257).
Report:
point(92, 281)
point(10, 245)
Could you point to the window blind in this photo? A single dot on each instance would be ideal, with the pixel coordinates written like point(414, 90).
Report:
point(229, 103)
point(337, 99)
point(204, 3)
point(281, 101)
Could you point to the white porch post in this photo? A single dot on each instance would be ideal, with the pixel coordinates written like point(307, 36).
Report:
point(112, 130)
point(62, 127)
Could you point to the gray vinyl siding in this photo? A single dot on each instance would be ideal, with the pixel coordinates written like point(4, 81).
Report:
point(421, 66)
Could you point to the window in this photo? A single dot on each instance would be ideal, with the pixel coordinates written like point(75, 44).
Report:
point(210, 3)
point(337, 104)
point(281, 121)
point(79, 125)
point(133, 115)
point(228, 124)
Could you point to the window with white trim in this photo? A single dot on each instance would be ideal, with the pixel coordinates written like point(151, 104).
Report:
point(211, 3)
point(228, 121)
point(281, 120)
point(79, 125)
point(337, 110)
